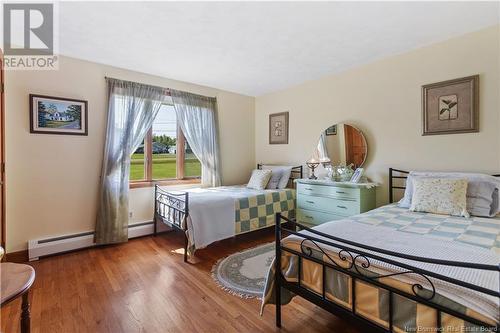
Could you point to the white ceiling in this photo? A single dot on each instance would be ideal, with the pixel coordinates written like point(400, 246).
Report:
point(258, 47)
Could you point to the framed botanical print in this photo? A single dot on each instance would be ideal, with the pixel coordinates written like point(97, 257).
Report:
point(56, 115)
point(451, 107)
point(278, 128)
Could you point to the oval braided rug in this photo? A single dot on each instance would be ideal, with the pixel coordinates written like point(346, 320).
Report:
point(244, 273)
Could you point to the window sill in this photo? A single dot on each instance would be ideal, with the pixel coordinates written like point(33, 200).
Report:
point(168, 182)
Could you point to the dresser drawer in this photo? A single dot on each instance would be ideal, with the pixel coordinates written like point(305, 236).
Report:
point(329, 205)
point(329, 191)
point(313, 218)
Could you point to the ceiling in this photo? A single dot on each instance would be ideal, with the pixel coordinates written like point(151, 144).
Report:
point(258, 47)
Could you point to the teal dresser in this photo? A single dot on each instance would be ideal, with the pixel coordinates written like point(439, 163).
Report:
point(320, 201)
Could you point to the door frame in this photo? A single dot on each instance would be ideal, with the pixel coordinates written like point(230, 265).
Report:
point(2, 152)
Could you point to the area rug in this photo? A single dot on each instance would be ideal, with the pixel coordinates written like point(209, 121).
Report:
point(244, 273)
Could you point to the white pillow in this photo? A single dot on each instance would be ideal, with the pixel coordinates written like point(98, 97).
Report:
point(440, 196)
point(275, 179)
point(259, 179)
point(286, 171)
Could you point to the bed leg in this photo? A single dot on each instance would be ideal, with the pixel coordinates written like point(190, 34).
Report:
point(185, 247)
point(277, 269)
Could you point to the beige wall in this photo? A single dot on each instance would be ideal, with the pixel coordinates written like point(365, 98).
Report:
point(52, 180)
point(383, 100)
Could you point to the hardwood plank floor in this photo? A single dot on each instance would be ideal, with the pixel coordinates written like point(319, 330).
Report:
point(144, 286)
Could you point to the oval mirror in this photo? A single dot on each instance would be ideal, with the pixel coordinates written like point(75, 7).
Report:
point(342, 144)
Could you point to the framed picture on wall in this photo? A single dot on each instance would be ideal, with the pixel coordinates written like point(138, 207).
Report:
point(332, 130)
point(56, 115)
point(451, 107)
point(278, 128)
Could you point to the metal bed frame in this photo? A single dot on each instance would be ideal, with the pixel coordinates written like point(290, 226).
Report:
point(172, 208)
point(357, 258)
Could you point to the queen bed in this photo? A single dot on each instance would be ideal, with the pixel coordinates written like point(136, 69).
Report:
point(211, 214)
point(392, 269)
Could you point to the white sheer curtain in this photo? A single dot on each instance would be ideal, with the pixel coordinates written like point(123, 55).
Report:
point(132, 108)
point(197, 117)
point(320, 153)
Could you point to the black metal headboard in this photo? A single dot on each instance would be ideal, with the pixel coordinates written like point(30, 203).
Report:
point(297, 173)
point(401, 174)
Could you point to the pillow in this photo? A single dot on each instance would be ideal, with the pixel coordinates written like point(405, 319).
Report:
point(276, 175)
point(440, 196)
point(480, 186)
point(285, 176)
point(259, 179)
point(482, 199)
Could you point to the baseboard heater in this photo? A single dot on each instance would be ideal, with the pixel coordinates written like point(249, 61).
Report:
point(38, 248)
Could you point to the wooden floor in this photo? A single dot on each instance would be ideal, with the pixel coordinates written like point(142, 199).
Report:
point(144, 286)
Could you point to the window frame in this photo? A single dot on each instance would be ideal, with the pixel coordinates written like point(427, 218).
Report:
point(180, 155)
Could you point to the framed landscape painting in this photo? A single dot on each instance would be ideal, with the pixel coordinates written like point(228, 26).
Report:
point(56, 115)
point(451, 107)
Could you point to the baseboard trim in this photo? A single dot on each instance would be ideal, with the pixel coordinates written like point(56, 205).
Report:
point(50, 246)
point(17, 257)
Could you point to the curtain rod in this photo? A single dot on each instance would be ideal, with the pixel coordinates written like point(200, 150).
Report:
point(168, 89)
point(145, 84)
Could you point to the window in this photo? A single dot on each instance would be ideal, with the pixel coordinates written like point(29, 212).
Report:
point(165, 154)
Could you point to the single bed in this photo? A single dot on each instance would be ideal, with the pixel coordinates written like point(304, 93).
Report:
point(212, 214)
point(394, 270)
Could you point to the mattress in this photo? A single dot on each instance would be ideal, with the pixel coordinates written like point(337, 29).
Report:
point(420, 234)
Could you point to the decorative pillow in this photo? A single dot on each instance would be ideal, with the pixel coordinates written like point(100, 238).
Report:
point(482, 191)
point(440, 196)
point(259, 179)
point(276, 175)
point(286, 171)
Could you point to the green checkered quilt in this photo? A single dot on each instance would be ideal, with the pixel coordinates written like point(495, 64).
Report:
point(256, 212)
point(478, 231)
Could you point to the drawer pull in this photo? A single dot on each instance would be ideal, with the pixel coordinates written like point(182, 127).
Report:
point(343, 207)
point(340, 192)
point(309, 217)
point(309, 189)
point(309, 201)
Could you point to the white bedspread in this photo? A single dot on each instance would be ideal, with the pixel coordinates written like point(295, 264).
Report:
point(426, 247)
point(211, 213)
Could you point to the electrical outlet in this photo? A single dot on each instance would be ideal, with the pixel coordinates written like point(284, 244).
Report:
point(130, 214)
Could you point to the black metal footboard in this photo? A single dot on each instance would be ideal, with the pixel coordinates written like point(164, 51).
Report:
point(353, 259)
point(172, 208)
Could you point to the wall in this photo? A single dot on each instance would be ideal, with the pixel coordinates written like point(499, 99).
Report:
point(52, 180)
point(383, 99)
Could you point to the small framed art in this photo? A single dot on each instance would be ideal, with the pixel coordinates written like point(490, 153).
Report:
point(332, 130)
point(451, 107)
point(278, 128)
point(56, 115)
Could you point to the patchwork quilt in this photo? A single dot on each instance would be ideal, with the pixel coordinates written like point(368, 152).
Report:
point(478, 231)
point(258, 211)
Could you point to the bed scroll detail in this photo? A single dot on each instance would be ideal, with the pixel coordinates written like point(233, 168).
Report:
point(171, 208)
